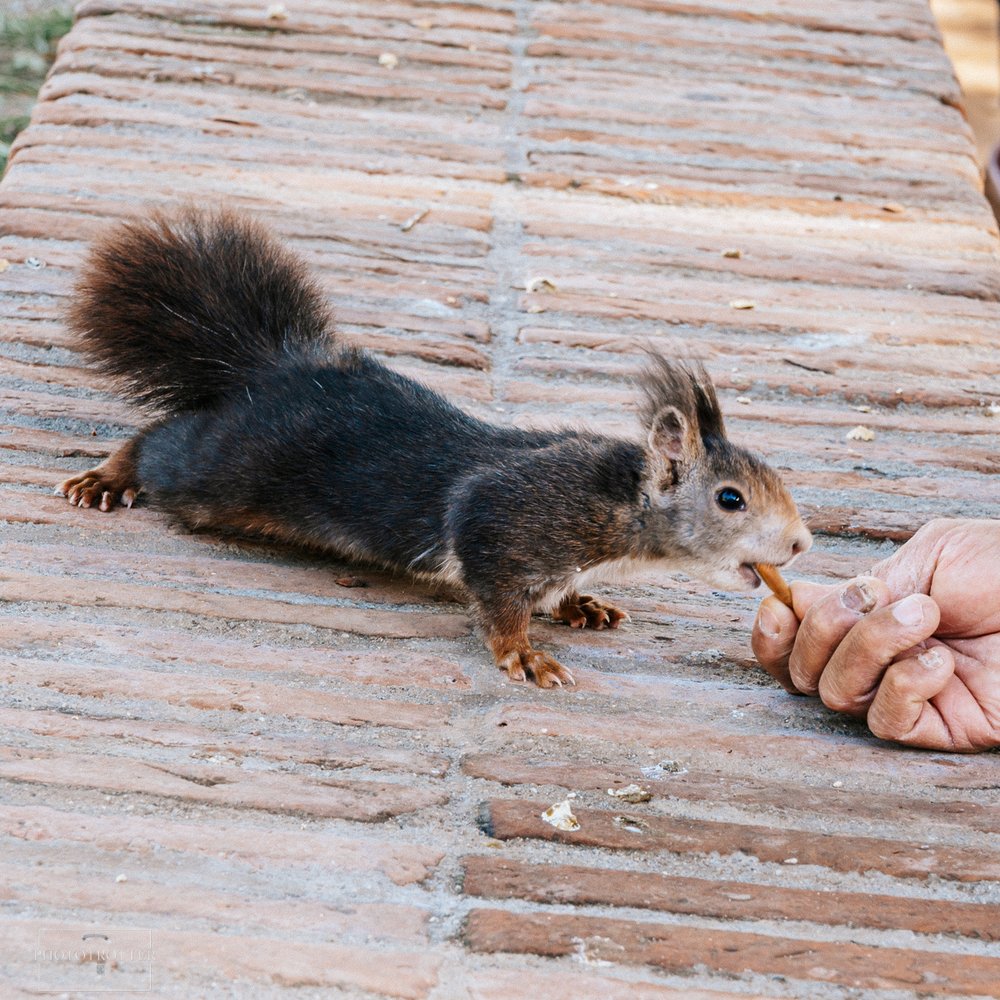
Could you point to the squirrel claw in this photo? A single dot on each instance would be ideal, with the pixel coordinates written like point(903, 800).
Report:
point(544, 670)
point(584, 611)
point(92, 489)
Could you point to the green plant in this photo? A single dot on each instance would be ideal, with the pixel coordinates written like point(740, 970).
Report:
point(27, 47)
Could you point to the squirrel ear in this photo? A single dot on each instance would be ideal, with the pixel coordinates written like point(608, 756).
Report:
point(672, 437)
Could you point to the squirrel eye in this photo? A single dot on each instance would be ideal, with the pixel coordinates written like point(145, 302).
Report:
point(730, 499)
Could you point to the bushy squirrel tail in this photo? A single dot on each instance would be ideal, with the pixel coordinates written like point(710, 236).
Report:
point(181, 309)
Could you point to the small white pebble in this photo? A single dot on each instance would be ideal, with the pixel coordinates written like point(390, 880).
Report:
point(745, 400)
point(838, 784)
point(389, 60)
point(790, 861)
point(121, 878)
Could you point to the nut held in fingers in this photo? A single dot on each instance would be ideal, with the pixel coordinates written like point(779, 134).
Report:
point(774, 580)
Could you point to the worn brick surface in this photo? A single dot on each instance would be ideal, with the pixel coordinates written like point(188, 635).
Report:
point(280, 778)
point(789, 797)
point(499, 878)
point(682, 949)
point(631, 829)
point(594, 984)
point(242, 959)
point(260, 846)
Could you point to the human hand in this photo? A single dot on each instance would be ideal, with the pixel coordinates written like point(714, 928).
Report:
point(914, 649)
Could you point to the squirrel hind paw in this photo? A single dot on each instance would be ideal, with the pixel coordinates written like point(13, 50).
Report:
point(543, 669)
point(95, 489)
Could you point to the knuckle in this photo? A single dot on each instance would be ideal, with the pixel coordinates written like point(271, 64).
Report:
point(802, 679)
point(838, 701)
point(884, 728)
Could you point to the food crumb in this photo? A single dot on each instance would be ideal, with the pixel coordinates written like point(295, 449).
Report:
point(631, 794)
point(560, 815)
point(861, 433)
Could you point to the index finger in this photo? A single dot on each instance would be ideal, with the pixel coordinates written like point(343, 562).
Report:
point(775, 628)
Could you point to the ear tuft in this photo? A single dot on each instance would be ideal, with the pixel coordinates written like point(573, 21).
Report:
point(684, 386)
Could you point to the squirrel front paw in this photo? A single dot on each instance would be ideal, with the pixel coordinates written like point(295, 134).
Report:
point(584, 611)
point(545, 671)
point(96, 485)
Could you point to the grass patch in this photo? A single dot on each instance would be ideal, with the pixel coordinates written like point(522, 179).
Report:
point(27, 48)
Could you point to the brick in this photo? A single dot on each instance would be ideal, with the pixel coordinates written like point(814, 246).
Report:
point(503, 984)
point(55, 443)
point(503, 878)
point(205, 956)
point(41, 636)
point(678, 949)
point(53, 885)
point(257, 844)
point(26, 475)
point(634, 829)
point(37, 588)
point(217, 695)
point(231, 575)
point(62, 376)
point(212, 743)
point(364, 801)
point(740, 750)
point(50, 406)
point(753, 793)
point(44, 508)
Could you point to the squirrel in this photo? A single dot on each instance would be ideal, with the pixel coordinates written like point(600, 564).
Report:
point(266, 422)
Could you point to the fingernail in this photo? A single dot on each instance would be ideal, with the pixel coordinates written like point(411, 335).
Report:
point(859, 597)
point(931, 658)
point(909, 611)
point(768, 624)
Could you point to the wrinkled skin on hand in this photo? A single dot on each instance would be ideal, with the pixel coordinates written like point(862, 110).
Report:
point(914, 649)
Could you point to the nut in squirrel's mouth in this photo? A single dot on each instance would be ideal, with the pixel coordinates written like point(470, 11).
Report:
point(750, 575)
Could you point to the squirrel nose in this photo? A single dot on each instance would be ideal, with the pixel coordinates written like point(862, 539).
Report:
point(801, 543)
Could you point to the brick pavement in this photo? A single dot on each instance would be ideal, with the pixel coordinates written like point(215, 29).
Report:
point(295, 787)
